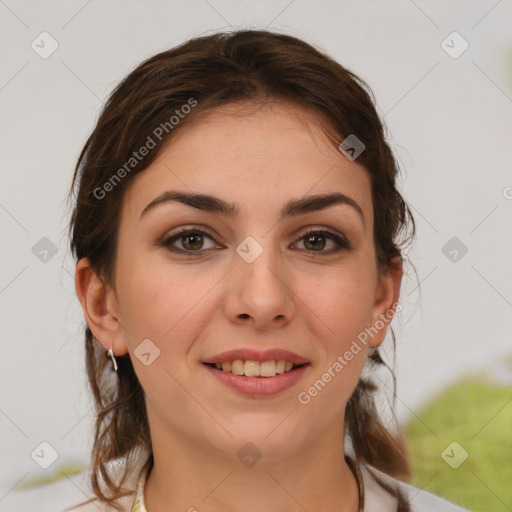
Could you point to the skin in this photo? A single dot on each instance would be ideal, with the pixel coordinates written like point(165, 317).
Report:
point(192, 307)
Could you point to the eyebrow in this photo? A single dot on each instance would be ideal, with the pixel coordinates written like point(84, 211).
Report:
point(292, 208)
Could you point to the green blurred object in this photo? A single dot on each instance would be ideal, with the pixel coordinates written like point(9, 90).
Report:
point(60, 473)
point(476, 414)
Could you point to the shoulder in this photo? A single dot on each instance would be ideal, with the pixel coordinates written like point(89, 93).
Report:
point(379, 500)
point(62, 495)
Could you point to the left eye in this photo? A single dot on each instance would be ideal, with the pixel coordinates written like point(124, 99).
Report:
point(317, 239)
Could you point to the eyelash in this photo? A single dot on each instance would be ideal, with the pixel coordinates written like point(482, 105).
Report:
point(341, 242)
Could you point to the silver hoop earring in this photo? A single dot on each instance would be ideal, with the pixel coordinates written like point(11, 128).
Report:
point(111, 354)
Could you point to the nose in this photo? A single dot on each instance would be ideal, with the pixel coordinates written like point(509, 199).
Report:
point(259, 293)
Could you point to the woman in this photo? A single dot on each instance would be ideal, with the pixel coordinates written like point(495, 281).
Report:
point(238, 236)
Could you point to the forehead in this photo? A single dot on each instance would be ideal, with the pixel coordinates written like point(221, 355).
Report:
point(252, 156)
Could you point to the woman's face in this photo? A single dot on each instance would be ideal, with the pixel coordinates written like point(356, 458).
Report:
point(258, 280)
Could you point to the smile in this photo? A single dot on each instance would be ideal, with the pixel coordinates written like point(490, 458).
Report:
point(255, 368)
point(258, 386)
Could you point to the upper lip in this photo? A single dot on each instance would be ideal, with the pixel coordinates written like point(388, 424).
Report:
point(247, 354)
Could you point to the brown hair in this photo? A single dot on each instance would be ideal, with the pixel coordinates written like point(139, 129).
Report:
point(206, 72)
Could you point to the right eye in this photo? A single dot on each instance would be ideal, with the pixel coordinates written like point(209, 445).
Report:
point(191, 240)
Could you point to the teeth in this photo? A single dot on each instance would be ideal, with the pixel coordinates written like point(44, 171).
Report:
point(268, 369)
point(255, 368)
point(237, 367)
point(252, 369)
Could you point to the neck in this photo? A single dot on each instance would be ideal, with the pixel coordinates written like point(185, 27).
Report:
point(190, 477)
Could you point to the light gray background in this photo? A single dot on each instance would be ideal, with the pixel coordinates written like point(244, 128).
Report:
point(449, 122)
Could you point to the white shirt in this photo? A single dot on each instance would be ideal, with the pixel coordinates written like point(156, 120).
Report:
point(58, 496)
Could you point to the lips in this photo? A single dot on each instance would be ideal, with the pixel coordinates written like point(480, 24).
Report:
point(258, 387)
point(266, 384)
point(256, 355)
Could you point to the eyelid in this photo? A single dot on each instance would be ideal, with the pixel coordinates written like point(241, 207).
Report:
point(195, 228)
point(318, 227)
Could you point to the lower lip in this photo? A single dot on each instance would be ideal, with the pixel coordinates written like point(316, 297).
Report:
point(259, 387)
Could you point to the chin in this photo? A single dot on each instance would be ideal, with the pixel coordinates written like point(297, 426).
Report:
point(269, 438)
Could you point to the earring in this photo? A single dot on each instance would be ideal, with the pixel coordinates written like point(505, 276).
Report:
point(111, 354)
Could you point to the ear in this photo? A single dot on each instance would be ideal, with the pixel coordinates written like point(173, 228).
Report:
point(385, 303)
point(99, 304)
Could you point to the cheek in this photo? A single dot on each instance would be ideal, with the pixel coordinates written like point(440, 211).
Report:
point(340, 303)
point(339, 313)
point(163, 304)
